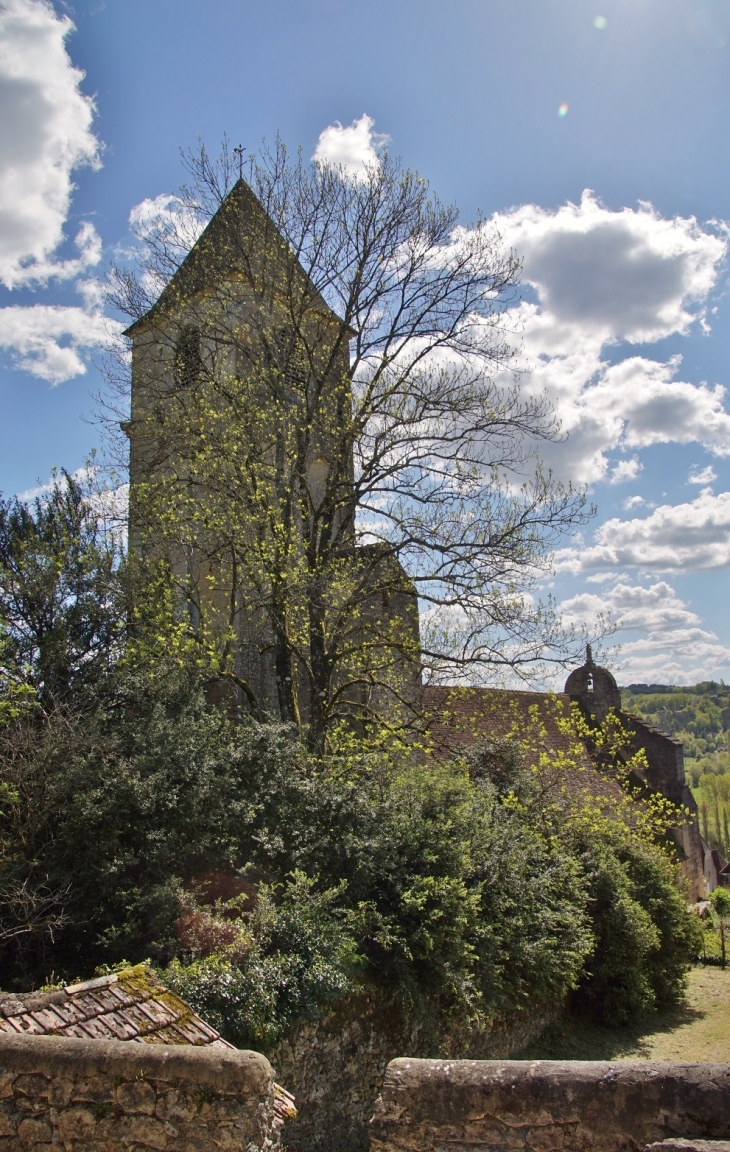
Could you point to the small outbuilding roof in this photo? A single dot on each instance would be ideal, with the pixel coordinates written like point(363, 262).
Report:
point(128, 1005)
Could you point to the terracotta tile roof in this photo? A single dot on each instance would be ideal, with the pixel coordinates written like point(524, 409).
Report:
point(130, 1005)
point(538, 721)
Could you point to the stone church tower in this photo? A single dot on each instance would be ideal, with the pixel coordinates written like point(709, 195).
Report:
point(242, 479)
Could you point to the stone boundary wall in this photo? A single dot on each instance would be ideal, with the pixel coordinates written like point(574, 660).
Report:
point(109, 1096)
point(335, 1066)
point(547, 1106)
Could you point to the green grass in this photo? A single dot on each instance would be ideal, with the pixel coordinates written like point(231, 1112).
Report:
point(696, 1031)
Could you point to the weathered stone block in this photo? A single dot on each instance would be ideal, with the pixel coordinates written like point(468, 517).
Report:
point(76, 1124)
point(27, 1105)
point(228, 1140)
point(176, 1106)
point(110, 1096)
point(31, 1085)
point(32, 1132)
point(59, 1091)
point(689, 1144)
point(144, 1130)
point(139, 1096)
point(199, 1143)
point(89, 1090)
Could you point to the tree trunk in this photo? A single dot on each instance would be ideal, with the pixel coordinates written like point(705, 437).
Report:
point(319, 671)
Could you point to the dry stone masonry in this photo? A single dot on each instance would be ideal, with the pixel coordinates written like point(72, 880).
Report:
point(107, 1096)
point(689, 1144)
point(549, 1106)
point(335, 1065)
point(84, 1095)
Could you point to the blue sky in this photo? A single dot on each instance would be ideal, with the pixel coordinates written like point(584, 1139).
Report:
point(625, 309)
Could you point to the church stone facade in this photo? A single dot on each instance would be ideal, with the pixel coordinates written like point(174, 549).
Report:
point(595, 691)
point(461, 717)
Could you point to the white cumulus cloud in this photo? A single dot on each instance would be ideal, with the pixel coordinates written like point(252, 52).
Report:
point(51, 341)
point(166, 215)
point(656, 409)
point(627, 275)
point(164, 221)
point(686, 537)
point(45, 134)
point(653, 608)
point(602, 279)
point(678, 656)
point(353, 148)
point(702, 476)
point(672, 646)
point(81, 475)
point(625, 470)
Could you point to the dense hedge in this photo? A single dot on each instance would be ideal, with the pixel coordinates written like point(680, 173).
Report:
point(139, 821)
point(267, 883)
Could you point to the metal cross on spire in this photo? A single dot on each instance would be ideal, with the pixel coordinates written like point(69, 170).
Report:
point(239, 152)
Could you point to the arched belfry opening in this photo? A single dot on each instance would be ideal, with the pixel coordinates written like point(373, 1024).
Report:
point(188, 357)
point(593, 688)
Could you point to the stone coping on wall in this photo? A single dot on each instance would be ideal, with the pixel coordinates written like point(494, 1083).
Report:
point(547, 1106)
point(689, 1144)
point(112, 1096)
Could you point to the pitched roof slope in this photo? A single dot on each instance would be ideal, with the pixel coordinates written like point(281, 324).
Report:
point(538, 721)
point(129, 1005)
point(240, 239)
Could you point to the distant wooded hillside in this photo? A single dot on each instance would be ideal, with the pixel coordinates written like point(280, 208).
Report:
point(699, 716)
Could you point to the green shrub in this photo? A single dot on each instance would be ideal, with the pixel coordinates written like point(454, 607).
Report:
point(135, 818)
point(299, 957)
point(451, 899)
point(645, 939)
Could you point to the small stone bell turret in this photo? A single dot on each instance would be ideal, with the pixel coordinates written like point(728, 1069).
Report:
point(593, 688)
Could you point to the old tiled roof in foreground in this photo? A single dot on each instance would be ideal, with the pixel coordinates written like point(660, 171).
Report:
point(130, 1005)
point(539, 722)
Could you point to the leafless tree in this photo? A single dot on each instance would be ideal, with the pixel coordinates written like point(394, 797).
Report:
point(360, 402)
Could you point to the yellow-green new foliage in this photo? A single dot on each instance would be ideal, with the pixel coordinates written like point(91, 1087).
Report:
point(713, 801)
point(319, 442)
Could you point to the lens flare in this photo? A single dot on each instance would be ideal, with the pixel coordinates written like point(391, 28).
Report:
point(563, 110)
point(600, 22)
